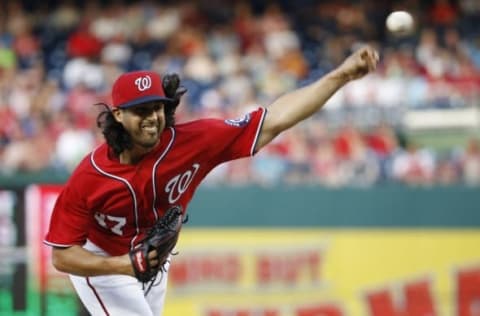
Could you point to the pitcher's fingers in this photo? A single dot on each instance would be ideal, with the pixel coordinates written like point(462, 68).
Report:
point(154, 263)
point(371, 59)
point(376, 55)
point(152, 254)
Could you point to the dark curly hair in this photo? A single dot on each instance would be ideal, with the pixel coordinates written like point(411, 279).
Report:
point(117, 138)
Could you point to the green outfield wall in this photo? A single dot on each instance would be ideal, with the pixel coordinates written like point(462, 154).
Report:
point(307, 206)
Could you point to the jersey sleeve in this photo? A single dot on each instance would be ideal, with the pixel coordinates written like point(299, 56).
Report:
point(70, 219)
point(235, 138)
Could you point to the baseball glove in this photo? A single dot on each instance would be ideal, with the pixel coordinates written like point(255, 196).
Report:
point(174, 91)
point(162, 237)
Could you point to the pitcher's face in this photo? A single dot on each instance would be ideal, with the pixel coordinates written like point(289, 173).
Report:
point(144, 122)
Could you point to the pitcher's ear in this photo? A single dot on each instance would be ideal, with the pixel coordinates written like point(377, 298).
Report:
point(117, 115)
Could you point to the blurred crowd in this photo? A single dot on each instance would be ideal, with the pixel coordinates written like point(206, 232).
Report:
point(57, 62)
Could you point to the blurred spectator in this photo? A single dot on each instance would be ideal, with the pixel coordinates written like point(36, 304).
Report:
point(443, 13)
point(414, 166)
point(447, 172)
point(72, 144)
point(470, 163)
point(326, 167)
point(83, 43)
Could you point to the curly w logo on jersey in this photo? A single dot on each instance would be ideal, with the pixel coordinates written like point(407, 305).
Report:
point(143, 83)
point(179, 184)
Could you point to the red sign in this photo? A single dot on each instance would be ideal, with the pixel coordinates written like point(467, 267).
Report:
point(39, 202)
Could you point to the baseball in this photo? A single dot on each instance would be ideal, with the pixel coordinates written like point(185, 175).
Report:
point(399, 22)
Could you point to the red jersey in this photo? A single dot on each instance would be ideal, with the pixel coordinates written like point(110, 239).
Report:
point(113, 204)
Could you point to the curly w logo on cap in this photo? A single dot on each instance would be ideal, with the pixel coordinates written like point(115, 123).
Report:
point(143, 83)
point(136, 87)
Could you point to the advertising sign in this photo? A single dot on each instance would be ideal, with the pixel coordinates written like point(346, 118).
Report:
point(408, 272)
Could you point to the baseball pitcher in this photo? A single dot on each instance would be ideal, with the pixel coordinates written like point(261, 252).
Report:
point(117, 220)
